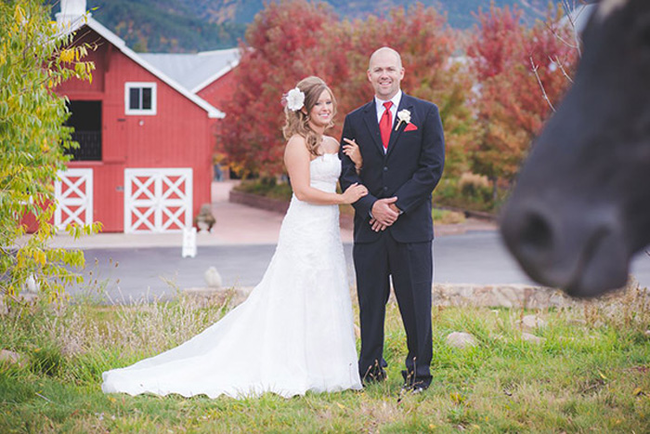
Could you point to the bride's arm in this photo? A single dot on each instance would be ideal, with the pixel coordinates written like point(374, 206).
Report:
point(297, 159)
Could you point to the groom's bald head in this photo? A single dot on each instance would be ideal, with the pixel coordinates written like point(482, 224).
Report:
point(385, 72)
point(385, 50)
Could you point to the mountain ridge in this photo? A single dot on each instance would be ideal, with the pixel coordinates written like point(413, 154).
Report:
point(200, 25)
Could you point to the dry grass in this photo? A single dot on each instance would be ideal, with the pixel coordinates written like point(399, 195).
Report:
point(590, 373)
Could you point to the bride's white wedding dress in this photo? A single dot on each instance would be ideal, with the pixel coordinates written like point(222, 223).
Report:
point(294, 333)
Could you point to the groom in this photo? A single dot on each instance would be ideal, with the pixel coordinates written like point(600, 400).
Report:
point(401, 141)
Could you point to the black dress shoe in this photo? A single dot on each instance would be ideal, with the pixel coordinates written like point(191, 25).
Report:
point(374, 376)
point(414, 389)
point(418, 388)
point(415, 384)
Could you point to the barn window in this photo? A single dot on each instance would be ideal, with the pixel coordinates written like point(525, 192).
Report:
point(86, 118)
point(140, 98)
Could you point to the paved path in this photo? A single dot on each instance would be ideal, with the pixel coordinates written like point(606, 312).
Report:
point(147, 265)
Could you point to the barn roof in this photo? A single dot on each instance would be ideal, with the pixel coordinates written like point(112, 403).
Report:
point(119, 43)
point(195, 71)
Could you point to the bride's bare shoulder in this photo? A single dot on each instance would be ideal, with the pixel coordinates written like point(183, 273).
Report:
point(295, 141)
point(296, 145)
point(331, 144)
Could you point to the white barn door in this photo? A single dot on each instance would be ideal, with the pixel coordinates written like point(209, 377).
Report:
point(73, 192)
point(157, 200)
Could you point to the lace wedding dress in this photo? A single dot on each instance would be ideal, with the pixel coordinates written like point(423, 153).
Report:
point(294, 333)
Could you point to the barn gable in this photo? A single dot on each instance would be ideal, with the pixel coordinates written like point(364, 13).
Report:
point(147, 141)
point(75, 24)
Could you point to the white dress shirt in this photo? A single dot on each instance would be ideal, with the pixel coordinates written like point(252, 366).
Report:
point(379, 104)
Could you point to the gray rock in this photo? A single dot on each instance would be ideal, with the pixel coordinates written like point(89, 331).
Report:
point(461, 340)
point(512, 296)
point(12, 358)
point(213, 278)
point(531, 322)
point(532, 338)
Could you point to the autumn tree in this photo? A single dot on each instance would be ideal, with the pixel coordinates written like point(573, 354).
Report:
point(521, 74)
point(292, 39)
point(427, 46)
point(283, 45)
point(35, 56)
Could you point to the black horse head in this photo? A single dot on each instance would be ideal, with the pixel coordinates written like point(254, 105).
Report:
point(581, 207)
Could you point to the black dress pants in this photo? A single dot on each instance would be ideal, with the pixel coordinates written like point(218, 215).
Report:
point(411, 267)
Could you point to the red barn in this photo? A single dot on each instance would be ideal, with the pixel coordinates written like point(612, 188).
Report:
point(208, 74)
point(146, 139)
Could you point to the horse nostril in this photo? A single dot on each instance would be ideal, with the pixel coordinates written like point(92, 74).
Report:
point(536, 236)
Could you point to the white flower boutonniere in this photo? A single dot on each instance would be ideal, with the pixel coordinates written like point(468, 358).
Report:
point(403, 116)
point(295, 99)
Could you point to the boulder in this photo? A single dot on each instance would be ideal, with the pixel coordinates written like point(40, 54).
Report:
point(527, 337)
point(461, 340)
point(11, 358)
point(213, 278)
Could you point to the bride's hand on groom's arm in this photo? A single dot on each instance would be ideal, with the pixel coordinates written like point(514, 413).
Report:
point(354, 192)
point(351, 149)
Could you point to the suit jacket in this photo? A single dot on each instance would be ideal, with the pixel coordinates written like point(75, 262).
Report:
point(409, 170)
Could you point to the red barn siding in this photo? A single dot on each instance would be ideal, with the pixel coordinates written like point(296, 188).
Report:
point(220, 90)
point(178, 136)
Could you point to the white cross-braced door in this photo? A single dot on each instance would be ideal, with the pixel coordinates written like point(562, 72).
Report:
point(73, 192)
point(157, 200)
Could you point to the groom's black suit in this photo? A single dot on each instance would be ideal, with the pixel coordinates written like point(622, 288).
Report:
point(409, 170)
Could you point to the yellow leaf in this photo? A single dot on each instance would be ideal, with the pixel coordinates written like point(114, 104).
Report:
point(19, 16)
point(67, 55)
point(40, 257)
point(602, 375)
point(341, 406)
point(638, 391)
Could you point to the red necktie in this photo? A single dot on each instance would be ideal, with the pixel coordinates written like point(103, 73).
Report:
point(386, 124)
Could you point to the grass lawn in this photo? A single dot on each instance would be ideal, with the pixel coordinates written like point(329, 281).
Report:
point(590, 374)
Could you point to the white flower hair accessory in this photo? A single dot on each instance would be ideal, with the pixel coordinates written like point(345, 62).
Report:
point(295, 99)
point(403, 116)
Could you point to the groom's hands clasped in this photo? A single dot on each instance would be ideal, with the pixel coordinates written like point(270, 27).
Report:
point(384, 213)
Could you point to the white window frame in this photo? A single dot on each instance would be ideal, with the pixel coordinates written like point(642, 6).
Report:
point(140, 85)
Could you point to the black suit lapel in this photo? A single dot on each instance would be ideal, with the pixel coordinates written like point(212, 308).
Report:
point(370, 117)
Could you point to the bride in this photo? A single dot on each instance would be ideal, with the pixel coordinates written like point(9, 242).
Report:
point(294, 333)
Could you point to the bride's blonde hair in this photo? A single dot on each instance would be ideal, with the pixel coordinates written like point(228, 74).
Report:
point(297, 122)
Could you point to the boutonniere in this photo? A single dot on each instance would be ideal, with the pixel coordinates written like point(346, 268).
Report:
point(403, 116)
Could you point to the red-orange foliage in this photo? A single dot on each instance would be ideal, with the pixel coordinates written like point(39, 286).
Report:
point(283, 46)
point(521, 73)
point(292, 39)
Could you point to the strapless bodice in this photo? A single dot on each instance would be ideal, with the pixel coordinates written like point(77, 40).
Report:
point(324, 172)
